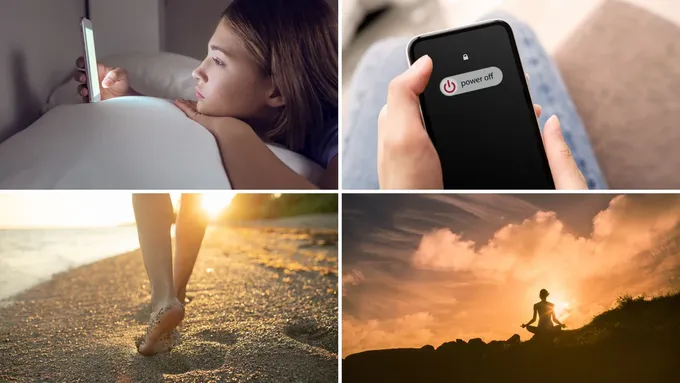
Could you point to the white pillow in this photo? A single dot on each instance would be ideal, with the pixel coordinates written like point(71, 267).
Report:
point(137, 143)
point(161, 74)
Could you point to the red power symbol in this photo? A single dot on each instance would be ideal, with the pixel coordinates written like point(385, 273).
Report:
point(450, 86)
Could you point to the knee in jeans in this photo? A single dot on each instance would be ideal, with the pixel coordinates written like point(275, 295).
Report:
point(517, 25)
point(387, 48)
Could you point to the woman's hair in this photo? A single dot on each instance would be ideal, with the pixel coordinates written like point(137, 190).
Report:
point(296, 44)
point(543, 294)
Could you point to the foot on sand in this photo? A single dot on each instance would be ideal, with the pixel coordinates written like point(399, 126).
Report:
point(165, 343)
point(161, 335)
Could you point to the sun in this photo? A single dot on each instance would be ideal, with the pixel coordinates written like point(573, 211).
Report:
point(562, 300)
point(215, 203)
point(561, 309)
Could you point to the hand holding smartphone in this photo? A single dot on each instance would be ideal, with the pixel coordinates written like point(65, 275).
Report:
point(477, 109)
point(94, 92)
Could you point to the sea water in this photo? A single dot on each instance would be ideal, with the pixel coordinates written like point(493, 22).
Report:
point(31, 256)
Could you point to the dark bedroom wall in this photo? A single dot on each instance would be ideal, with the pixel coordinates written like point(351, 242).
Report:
point(39, 43)
point(189, 24)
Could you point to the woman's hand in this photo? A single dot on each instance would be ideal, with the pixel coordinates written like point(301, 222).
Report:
point(213, 124)
point(523, 325)
point(113, 82)
point(408, 160)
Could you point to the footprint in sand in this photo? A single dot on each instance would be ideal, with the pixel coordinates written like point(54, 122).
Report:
point(311, 333)
point(219, 336)
point(189, 356)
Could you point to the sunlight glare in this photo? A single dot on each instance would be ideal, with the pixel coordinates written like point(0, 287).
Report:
point(214, 203)
point(65, 209)
point(561, 309)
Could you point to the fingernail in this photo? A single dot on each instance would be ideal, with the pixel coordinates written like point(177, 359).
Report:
point(106, 82)
point(553, 120)
point(419, 64)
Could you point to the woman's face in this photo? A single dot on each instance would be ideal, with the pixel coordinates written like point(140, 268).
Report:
point(230, 84)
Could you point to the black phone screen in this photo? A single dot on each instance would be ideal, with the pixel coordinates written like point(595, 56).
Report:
point(478, 111)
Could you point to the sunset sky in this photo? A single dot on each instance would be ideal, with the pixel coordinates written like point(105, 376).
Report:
point(81, 208)
point(427, 269)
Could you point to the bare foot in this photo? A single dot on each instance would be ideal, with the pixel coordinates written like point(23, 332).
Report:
point(159, 335)
point(165, 343)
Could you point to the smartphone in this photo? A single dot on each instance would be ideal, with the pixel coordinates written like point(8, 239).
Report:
point(90, 61)
point(478, 111)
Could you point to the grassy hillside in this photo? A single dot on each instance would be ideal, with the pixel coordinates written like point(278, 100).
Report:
point(267, 206)
point(638, 341)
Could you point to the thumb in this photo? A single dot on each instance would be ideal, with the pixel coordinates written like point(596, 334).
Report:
point(402, 95)
point(114, 76)
point(562, 165)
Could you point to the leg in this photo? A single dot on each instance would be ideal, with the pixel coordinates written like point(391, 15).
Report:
point(191, 225)
point(154, 215)
point(532, 329)
point(548, 90)
point(380, 64)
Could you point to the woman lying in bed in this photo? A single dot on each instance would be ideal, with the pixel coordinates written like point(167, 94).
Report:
point(270, 76)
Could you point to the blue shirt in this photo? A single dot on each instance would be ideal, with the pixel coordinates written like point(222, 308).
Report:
point(321, 145)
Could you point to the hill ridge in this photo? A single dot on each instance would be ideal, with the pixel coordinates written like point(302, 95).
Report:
point(639, 340)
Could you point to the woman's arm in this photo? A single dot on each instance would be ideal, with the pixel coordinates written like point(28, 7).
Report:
point(249, 162)
point(554, 318)
point(533, 319)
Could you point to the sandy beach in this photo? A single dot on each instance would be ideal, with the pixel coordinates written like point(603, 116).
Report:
point(264, 308)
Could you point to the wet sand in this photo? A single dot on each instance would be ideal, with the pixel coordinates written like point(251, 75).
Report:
point(264, 308)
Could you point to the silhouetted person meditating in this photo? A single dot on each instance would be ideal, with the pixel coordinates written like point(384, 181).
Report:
point(546, 316)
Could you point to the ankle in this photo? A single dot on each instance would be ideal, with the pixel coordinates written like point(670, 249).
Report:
point(181, 294)
point(158, 301)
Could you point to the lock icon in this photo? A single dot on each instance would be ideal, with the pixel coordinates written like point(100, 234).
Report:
point(465, 57)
